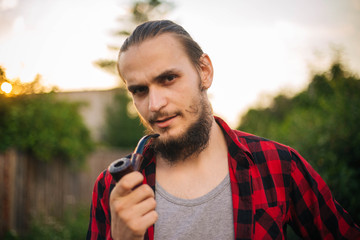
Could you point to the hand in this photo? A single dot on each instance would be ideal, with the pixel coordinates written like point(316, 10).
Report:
point(132, 210)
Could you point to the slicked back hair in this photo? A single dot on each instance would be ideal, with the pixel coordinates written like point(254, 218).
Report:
point(152, 29)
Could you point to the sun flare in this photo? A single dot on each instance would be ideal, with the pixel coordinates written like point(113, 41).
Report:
point(6, 87)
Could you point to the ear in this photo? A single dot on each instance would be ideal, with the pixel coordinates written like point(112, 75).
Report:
point(206, 71)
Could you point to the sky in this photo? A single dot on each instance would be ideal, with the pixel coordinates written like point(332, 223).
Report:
point(258, 48)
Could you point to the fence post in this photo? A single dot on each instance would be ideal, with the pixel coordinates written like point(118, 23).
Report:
point(7, 173)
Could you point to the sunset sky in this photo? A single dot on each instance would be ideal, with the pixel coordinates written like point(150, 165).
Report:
point(257, 47)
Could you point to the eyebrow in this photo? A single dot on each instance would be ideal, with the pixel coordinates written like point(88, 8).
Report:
point(165, 74)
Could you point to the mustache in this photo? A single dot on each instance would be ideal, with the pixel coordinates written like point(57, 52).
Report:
point(162, 115)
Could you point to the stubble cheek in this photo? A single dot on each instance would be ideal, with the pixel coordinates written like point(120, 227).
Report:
point(195, 105)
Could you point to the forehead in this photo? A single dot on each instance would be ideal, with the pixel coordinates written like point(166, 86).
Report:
point(152, 55)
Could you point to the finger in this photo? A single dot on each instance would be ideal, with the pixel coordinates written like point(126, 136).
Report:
point(145, 206)
point(128, 211)
point(135, 204)
point(141, 193)
point(149, 219)
point(135, 197)
point(139, 225)
point(127, 183)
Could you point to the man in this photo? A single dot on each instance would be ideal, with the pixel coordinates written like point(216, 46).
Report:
point(202, 180)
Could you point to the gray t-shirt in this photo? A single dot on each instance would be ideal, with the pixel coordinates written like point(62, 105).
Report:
point(207, 217)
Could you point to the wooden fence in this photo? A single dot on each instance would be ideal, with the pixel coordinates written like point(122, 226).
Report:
point(30, 188)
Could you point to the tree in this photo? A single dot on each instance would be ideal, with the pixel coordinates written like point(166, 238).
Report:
point(322, 123)
point(140, 12)
point(122, 129)
point(36, 123)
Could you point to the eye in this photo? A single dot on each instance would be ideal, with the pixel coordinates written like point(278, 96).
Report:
point(169, 78)
point(139, 91)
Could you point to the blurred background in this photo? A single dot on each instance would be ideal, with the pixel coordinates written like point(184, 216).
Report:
point(287, 71)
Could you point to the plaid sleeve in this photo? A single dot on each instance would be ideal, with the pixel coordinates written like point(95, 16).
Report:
point(100, 218)
point(99, 225)
point(314, 213)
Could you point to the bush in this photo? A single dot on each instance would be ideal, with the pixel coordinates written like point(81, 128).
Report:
point(322, 123)
point(44, 128)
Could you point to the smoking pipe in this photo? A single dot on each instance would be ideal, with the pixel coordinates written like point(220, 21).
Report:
point(125, 165)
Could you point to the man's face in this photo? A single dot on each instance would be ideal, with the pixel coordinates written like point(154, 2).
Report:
point(167, 89)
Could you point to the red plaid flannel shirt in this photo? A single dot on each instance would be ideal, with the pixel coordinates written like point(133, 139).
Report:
point(272, 186)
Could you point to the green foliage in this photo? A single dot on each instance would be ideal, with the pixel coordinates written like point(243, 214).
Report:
point(107, 65)
point(43, 127)
point(143, 11)
point(322, 123)
point(72, 226)
point(122, 130)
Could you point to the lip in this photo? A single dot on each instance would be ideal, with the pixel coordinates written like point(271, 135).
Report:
point(165, 122)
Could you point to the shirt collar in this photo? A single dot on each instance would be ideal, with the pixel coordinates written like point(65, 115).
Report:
point(236, 148)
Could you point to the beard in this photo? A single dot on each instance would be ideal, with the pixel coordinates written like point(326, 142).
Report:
point(191, 142)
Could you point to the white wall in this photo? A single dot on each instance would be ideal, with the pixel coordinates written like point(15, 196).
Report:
point(94, 112)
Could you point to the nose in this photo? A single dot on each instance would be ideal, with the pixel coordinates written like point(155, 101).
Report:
point(157, 100)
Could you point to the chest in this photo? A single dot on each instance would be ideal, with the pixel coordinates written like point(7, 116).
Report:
point(207, 217)
point(193, 182)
